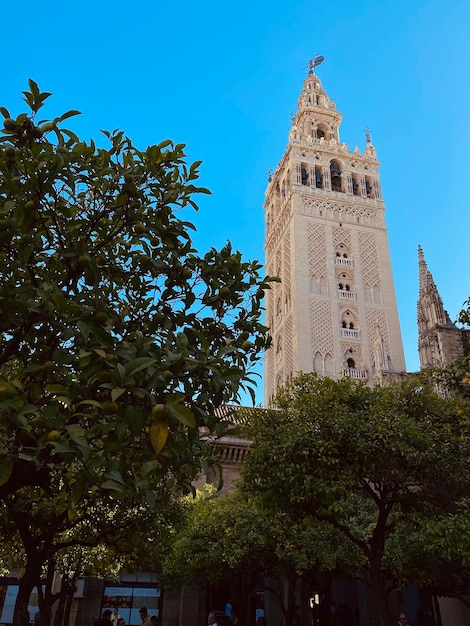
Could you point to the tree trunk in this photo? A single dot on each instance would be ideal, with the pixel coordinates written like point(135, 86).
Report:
point(30, 579)
point(46, 601)
point(290, 602)
point(68, 605)
point(386, 617)
point(59, 614)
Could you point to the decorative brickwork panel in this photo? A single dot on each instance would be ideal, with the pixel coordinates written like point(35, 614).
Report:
point(357, 214)
point(269, 370)
point(288, 347)
point(322, 332)
point(286, 278)
point(369, 259)
point(342, 235)
point(317, 250)
point(278, 265)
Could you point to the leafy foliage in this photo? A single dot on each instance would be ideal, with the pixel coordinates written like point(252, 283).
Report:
point(236, 542)
point(118, 341)
point(376, 464)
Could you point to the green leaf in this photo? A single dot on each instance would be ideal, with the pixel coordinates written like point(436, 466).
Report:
point(6, 468)
point(112, 485)
point(68, 114)
point(137, 365)
point(76, 433)
point(182, 414)
point(117, 393)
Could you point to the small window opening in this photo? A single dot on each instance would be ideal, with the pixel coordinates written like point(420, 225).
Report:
point(355, 185)
point(335, 171)
point(318, 178)
point(351, 363)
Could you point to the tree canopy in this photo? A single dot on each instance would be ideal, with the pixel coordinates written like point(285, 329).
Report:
point(236, 542)
point(118, 340)
point(376, 464)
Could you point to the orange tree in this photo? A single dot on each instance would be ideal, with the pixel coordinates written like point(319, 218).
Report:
point(234, 542)
point(118, 340)
point(376, 464)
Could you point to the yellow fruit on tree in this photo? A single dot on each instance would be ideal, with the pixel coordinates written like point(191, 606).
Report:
point(110, 407)
point(53, 435)
point(48, 366)
point(158, 411)
point(140, 228)
point(100, 317)
point(84, 260)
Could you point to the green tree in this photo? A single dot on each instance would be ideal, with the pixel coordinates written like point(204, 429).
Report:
point(118, 340)
point(370, 462)
point(235, 542)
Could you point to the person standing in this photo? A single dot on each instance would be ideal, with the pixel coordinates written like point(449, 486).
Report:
point(144, 616)
point(211, 619)
point(105, 620)
point(402, 620)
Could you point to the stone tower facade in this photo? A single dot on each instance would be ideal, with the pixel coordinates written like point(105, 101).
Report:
point(334, 311)
point(440, 341)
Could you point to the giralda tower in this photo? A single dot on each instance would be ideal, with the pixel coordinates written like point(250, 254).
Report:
point(334, 311)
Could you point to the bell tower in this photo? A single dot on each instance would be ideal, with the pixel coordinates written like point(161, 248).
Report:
point(334, 311)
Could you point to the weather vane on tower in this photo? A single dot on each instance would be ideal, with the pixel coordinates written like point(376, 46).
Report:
point(313, 63)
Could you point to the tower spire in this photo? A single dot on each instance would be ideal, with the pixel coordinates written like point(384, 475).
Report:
point(429, 299)
point(439, 340)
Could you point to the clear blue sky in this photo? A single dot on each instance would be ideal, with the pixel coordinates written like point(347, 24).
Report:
point(224, 77)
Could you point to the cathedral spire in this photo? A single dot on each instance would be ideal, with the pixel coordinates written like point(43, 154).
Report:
point(429, 299)
point(439, 340)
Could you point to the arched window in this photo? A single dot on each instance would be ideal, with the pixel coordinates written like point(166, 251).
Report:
point(321, 131)
point(318, 363)
point(304, 174)
point(335, 171)
point(318, 177)
point(351, 363)
point(355, 186)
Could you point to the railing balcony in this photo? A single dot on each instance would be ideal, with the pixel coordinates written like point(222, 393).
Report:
point(352, 372)
point(346, 295)
point(342, 261)
point(349, 334)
